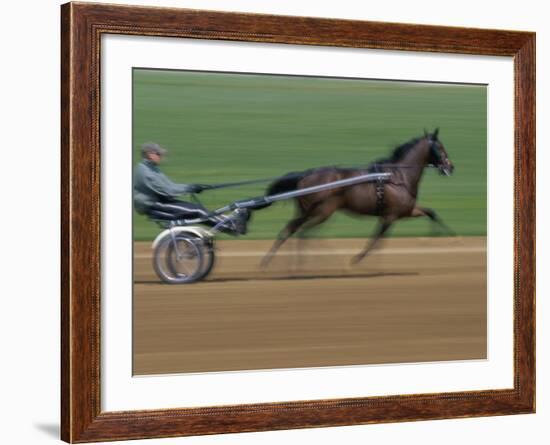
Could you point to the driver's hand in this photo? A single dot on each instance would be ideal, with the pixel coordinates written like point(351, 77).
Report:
point(194, 188)
point(202, 187)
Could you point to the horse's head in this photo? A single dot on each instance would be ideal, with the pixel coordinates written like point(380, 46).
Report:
point(438, 156)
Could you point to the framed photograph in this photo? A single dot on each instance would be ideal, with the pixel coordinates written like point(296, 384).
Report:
point(275, 222)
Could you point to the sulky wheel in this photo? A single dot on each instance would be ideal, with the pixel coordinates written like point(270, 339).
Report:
point(209, 256)
point(179, 259)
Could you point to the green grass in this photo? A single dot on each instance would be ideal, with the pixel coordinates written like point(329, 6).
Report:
point(230, 127)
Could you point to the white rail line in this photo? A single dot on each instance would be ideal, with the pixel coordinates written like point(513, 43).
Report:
point(321, 252)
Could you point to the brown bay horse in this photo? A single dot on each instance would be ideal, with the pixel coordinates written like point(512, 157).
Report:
point(390, 200)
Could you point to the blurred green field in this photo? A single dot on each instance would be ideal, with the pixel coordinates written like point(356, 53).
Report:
point(231, 127)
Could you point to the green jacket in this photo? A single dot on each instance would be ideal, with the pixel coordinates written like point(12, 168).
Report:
point(151, 185)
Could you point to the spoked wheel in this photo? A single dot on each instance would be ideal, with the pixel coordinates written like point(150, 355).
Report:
point(179, 259)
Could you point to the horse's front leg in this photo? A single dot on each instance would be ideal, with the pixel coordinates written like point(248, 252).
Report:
point(434, 217)
point(382, 228)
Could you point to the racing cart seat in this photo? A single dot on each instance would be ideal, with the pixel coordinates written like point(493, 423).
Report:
point(165, 216)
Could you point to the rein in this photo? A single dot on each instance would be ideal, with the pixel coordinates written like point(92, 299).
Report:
point(237, 184)
point(274, 178)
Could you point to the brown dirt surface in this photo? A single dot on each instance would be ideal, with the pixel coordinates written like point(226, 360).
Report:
point(412, 300)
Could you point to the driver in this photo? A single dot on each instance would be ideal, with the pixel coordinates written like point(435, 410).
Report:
point(156, 195)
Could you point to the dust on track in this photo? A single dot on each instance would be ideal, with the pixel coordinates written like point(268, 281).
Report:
point(414, 299)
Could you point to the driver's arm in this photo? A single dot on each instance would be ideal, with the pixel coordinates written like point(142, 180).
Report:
point(163, 186)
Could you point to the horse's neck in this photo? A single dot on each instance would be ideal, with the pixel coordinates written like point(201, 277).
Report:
point(414, 162)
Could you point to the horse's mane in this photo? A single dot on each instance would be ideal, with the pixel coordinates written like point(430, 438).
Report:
point(397, 154)
point(400, 151)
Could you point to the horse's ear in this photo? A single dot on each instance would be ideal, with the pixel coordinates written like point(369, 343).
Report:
point(425, 133)
point(436, 132)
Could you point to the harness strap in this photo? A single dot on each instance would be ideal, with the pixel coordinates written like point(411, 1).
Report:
point(380, 191)
point(379, 188)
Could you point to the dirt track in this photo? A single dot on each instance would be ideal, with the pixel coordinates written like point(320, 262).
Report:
point(420, 299)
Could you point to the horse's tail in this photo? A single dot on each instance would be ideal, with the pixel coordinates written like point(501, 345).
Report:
point(285, 183)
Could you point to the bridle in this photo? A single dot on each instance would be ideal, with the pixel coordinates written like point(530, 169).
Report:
point(435, 151)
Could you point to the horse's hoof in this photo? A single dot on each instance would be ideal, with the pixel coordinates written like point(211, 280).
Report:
point(356, 259)
point(265, 262)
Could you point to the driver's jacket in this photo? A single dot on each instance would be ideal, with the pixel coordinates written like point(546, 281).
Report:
point(151, 185)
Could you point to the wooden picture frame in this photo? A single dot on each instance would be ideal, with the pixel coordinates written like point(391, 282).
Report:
point(82, 26)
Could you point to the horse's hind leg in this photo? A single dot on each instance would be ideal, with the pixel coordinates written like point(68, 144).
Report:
point(321, 214)
point(290, 229)
point(314, 216)
point(382, 228)
point(434, 217)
